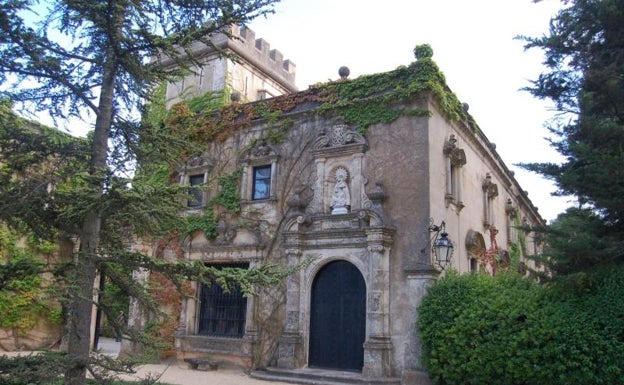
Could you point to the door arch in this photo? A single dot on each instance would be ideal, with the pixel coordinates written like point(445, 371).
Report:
point(338, 318)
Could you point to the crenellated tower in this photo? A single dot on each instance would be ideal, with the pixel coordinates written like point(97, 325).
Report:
point(258, 72)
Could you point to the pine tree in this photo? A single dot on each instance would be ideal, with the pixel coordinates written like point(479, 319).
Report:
point(584, 56)
point(80, 58)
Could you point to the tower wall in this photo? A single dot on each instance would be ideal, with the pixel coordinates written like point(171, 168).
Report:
point(254, 70)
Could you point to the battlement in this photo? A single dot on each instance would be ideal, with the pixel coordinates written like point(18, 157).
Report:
point(262, 72)
point(259, 52)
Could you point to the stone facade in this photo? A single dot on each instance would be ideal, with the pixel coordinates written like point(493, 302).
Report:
point(254, 71)
point(395, 178)
point(45, 335)
point(325, 191)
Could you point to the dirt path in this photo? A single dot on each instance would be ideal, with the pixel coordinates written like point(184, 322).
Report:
point(177, 372)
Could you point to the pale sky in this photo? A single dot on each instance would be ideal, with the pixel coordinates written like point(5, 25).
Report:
point(474, 46)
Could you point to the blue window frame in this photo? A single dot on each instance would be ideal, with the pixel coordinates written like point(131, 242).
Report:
point(261, 182)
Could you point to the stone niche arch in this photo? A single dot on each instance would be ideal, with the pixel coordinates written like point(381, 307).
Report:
point(339, 194)
point(339, 147)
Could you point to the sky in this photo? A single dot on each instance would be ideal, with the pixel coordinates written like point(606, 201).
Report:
point(474, 46)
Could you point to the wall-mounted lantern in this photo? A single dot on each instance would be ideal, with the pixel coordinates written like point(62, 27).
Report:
point(441, 245)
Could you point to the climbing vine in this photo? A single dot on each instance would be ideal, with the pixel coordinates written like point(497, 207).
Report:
point(367, 100)
point(228, 198)
point(23, 296)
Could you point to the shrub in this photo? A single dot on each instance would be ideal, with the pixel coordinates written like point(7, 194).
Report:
point(45, 368)
point(478, 329)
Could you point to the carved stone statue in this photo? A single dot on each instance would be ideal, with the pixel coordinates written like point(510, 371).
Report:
point(341, 198)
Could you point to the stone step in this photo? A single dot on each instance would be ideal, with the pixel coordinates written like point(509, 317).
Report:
point(310, 376)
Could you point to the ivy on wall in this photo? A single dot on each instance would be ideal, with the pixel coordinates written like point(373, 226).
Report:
point(364, 101)
point(23, 295)
point(228, 198)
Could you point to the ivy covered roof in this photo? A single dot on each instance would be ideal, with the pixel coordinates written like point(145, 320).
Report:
point(362, 101)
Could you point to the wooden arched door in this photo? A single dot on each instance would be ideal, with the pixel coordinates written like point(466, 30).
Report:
point(338, 318)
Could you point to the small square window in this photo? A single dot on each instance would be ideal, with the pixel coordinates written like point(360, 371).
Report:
point(261, 182)
point(195, 192)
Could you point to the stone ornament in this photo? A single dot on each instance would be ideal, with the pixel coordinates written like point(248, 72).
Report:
point(341, 198)
point(260, 151)
point(196, 162)
point(339, 135)
point(454, 153)
point(489, 187)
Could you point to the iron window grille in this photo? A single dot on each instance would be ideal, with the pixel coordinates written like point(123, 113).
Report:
point(222, 313)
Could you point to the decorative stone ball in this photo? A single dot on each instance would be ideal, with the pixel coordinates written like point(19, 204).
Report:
point(235, 97)
point(344, 72)
point(423, 51)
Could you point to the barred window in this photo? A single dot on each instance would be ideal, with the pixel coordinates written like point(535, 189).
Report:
point(222, 313)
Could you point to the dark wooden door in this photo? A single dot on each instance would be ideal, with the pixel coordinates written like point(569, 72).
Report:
point(338, 318)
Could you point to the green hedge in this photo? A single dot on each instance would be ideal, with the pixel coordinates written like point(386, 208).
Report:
point(478, 329)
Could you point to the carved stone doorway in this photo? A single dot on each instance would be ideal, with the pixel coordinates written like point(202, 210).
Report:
point(338, 318)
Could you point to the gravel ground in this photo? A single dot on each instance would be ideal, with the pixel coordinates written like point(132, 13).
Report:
point(176, 372)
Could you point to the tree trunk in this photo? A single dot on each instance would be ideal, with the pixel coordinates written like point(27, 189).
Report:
point(81, 307)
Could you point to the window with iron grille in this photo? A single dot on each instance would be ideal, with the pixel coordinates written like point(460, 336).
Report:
point(222, 313)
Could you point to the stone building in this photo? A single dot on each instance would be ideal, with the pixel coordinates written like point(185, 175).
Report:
point(354, 181)
point(251, 69)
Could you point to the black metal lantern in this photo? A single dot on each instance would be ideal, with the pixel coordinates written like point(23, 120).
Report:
point(441, 245)
point(443, 250)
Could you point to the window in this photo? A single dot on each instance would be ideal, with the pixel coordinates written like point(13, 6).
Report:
point(196, 194)
point(455, 159)
point(261, 182)
point(259, 165)
point(201, 76)
point(490, 192)
point(473, 264)
point(222, 313)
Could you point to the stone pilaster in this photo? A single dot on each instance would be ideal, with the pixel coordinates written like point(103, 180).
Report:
point(418, 283)
point(290, 350)
point(378, 346)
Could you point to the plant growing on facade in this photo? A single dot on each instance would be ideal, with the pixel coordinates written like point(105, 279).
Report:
point(367, 100)
point(101, 64)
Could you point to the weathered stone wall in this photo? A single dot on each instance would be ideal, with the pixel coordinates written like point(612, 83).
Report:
point(397, 178)
point(44, 336)
point(490, 196)
point(258, 72)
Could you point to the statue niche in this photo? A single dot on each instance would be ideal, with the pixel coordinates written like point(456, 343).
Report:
point(341, 198)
